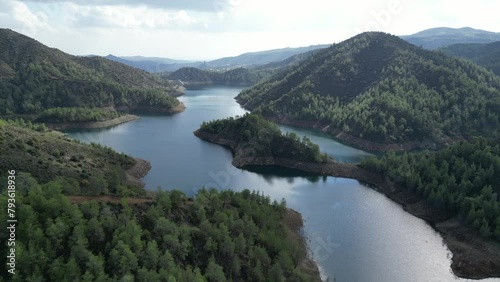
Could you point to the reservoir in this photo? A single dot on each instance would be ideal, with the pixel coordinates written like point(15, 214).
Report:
point(353, 232)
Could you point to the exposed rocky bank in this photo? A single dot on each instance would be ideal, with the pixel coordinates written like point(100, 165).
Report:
point(473, 257)
point(92, 125)
point(361, 143)
point(138, 171)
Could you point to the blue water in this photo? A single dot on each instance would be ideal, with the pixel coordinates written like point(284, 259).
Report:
point(354, 233)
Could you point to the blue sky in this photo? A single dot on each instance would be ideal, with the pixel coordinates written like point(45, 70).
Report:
point(204, 30)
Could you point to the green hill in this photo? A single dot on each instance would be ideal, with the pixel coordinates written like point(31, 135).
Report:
point(463, 179)
point(486, 55)
point(34, 78)
point(376, 88)
point(241, 76)
point(190, 74)
point(252, 137)
point(217, 236)
point(49, 155)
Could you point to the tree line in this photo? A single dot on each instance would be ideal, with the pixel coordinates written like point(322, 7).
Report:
point(463, 179)
point(265, 138)
point(61, 115)
point(217, 236)
point(380, 88)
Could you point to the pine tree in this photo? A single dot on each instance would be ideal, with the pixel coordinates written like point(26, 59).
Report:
point(214, 272)
point(485, 229)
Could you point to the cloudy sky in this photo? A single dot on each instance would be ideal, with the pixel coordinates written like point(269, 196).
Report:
point(209, 29)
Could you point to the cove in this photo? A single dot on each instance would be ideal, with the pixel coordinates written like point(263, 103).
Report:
point(353, 232)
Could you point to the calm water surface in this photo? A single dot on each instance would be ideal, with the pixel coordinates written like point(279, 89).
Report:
point(354, 233)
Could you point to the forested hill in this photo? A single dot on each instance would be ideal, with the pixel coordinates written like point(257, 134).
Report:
point(463, 179)
point(377, 87)
point(456, 189)
point(487, 55)
point(34, 77)
point(113, 231)
point(241, 76)
point(82, 169)
point(251, 136)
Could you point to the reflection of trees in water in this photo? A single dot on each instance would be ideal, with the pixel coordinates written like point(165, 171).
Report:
point(271, 173)
point(316, 178)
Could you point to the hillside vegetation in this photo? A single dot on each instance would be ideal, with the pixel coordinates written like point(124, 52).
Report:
point(218, 236)
point(34, 78)
point(486, 55)
point(463, 179)
point(256, 137)
point(236, 76)
point(49, 155)
point(380, 88)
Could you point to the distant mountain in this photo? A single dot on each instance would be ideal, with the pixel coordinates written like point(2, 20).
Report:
point(246, 60)
point(487, 55)
point(290, 61)
point(379, 92)
point(259, 58)
point(156, 59)
point(245, 76)
point(149, 65)
point(34, 78)
point(435, 38)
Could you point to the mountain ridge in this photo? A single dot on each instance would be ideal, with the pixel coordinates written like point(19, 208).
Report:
point(247, 60)
point(487, 55)
point(438, 37)
point(360, 87)
point(35, 78)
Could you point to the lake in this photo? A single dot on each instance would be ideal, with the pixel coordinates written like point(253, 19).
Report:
point(353, 232)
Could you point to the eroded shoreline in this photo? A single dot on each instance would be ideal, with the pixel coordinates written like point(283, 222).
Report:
point(358, 142)
point(138, 171)
point(473, 257)
point(111, 122)
point(92, 125)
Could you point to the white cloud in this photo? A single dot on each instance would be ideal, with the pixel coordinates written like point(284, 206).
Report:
point(17, 15)
point(195, 29)
point(125, 17)
point(195, 5)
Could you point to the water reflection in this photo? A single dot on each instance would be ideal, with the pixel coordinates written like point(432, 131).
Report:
point(355, 233)
point(270, 173)
point(336, 150)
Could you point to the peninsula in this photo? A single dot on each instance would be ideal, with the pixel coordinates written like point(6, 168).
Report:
point(459, 217)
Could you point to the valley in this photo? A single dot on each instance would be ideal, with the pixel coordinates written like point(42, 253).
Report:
point(371, 159)
point(334, 209)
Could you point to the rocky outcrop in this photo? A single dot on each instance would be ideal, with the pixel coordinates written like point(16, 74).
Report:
point(137, 172)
